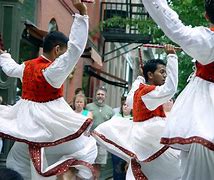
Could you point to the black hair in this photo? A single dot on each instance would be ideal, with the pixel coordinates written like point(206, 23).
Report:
point(123, 98)
point(209, 8)
point(78, 90)
point(53, 39)
point(9, 174)
point(151, 66)
point(122, 102)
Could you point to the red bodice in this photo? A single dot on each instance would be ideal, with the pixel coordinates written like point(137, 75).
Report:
point(140, 111)
point(205, 72)
point(34, 85)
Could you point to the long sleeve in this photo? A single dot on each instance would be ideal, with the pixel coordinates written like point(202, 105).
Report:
point(59, 70)
point(161, 94)
point(196, 42)
point(135, 86)
point(10, 67)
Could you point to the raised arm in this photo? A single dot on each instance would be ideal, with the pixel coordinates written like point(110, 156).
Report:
point(196, 42)
point(135, 86)
point(64, 64)
point(161, 94)
point(9, 66)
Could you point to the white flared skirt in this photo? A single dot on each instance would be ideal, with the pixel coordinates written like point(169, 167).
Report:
point(191, 118)
point(139, 144)
point(51, 125)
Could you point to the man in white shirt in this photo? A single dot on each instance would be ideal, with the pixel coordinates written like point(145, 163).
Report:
point(138, 141)
point(50, 135)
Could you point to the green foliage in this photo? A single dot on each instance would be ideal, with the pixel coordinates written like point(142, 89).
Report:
point(114, 22)
point(191, 12)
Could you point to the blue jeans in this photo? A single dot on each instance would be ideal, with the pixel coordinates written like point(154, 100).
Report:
point(119, 172)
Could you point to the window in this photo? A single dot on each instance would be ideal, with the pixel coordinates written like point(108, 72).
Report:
point(52, 26)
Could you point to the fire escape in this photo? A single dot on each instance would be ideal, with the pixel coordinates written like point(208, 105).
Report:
point(122, 34)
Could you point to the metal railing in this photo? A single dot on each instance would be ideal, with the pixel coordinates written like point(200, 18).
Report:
point(129, 11)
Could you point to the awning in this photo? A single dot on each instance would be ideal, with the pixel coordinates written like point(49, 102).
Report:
point(92, 53)
point(96, 57)
point(97, 73)
point(33, 34)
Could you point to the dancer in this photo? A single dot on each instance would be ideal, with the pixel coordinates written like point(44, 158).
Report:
point(42, 120)
point(190, 126)
point(138, 141)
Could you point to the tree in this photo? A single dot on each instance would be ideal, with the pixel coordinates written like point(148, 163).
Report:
point(191, 12)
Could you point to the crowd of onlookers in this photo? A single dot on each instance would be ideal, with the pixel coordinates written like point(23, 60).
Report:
point(100, 112)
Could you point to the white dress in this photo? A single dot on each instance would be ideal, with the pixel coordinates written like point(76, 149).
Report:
point(140, 141)
point(190, 126)
point(51, 129)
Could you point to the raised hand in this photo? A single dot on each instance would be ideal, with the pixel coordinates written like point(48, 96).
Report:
point(169, 49)
point(80, 6)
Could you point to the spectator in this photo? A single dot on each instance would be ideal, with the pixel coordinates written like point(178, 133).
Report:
point(118, 109)
point(77, 91)
point(168, 106)
point(119, 165)
point(101, 113)
point(79, 104)
point(9, 174)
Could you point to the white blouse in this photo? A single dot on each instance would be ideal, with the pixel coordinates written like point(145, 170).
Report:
point(196, 42)
point(161, 94)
